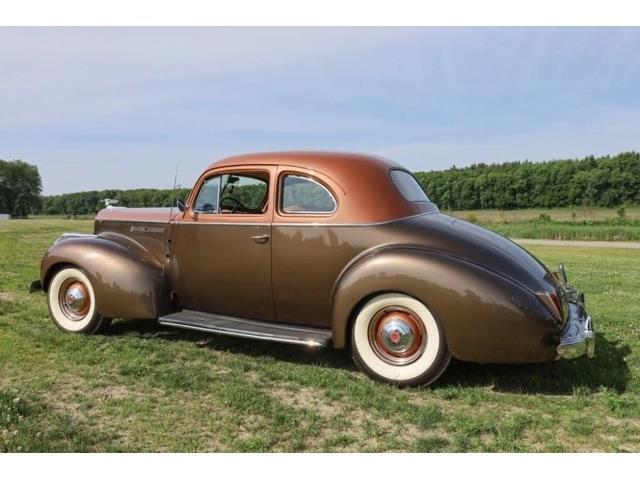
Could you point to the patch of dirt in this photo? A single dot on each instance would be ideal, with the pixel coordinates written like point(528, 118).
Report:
point(61, 396)
point(113, 392)
point(419, 401)
point(306, 398)
point(67, 391)
point(8, 297)
point(357, 423)
point(242, 433)
point(617, 422)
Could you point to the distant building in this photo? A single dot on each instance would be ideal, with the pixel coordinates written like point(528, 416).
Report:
point(4, 216)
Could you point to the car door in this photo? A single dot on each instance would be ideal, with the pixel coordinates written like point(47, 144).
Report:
point(220, 259)
point(309, 251)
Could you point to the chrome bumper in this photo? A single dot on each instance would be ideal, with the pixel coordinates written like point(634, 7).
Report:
point(578, 337)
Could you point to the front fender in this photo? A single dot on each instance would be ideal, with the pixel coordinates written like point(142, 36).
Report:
point(126, 281)
point(485, 316)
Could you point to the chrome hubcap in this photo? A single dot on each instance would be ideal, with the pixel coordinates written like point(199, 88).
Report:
point(397, 335)
point(74, 300)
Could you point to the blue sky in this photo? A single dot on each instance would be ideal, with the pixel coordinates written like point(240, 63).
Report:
point(117, 108)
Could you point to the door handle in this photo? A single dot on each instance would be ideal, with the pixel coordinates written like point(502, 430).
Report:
point(260, 238)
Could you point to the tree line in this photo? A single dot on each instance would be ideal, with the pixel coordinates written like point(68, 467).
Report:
point(605, 181)
point(88, 203)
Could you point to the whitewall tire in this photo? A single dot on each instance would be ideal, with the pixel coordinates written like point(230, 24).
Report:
point(396, 338)
point(72, 303)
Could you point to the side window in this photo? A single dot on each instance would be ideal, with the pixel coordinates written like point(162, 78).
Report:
point(304, 195)
point(243, 194)
point(230, 193)
point(207, 201)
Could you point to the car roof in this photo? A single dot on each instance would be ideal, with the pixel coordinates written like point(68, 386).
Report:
point(326, 161)
point(368, 194)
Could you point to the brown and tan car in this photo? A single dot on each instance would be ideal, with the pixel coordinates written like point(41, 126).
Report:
point(320, 249)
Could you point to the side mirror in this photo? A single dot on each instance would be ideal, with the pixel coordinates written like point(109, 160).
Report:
point(181, 205)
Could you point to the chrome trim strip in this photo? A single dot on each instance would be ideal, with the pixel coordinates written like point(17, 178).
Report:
point(73, 234)
point(161, 222)
point(237, 224)
point(143, 229)
point(328, 224)
point(282, 224)
point(237, 333)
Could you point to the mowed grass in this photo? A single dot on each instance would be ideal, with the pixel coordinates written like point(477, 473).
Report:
point(560, 223)
point(558, 214)
point(611, 230)
point(146, 388)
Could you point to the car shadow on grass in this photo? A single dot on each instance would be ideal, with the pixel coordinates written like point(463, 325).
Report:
point(300, 354)
point(607, 369)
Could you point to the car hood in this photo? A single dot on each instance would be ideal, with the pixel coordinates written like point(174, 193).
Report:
point(138, 215)
point(482, 247)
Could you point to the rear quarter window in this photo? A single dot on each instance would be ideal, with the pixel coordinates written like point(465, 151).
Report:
point(305, 195)
point(408, 186)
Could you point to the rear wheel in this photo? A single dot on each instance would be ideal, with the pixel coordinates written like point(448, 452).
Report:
point(72, 303)
point(396, 338)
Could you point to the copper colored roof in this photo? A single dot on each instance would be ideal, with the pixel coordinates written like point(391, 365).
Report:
point(322, 161)
point(360, 183)
point(367, 192)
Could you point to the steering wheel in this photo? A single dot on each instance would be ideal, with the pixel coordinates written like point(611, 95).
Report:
point(237, 202)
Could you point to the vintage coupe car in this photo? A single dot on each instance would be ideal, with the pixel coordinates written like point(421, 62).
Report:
point(315, 249)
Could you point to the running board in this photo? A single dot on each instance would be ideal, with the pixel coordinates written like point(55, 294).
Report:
point(240, 327)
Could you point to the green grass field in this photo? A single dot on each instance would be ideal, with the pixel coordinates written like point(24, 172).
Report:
point(146, 388)
point(611, 230)
point(560, 223)
point(576, 214)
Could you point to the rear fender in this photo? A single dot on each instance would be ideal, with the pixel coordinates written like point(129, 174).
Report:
point(485, 317)
point(127, 281)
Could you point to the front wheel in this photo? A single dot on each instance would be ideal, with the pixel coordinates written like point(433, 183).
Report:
point(72, 303)
point(396, 338)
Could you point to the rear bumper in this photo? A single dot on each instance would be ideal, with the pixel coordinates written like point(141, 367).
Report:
point(578, 336)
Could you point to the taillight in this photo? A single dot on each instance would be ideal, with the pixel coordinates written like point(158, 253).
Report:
point(552, 302)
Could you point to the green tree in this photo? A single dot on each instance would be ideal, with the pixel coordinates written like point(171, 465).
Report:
point(20, 187)
point(606, 181)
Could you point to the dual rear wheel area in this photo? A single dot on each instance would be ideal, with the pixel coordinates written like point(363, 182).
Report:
point(394, 337)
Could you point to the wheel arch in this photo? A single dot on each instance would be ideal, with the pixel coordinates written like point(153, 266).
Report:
point(52, 270)
point(126, 284)
point(370, 275)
